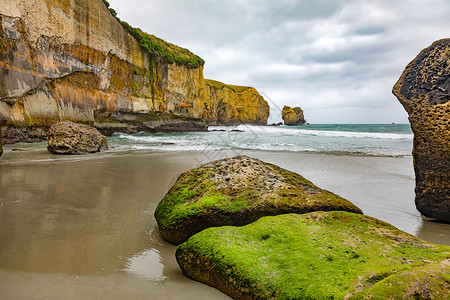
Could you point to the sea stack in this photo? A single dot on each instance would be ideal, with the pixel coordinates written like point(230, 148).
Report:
point(292, 116)
point(424, 91)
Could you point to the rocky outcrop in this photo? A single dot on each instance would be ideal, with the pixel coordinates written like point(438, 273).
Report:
point(424, 91)
point(73, 138)
point(232, 105)
point(68, 60)
point(320, 255)
point(237, 191)
point(292, 116)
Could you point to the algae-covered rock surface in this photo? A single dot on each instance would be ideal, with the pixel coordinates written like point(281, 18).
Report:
point(66, 60)
point(72, 138)
point(237, 191)
point(319, 255)
point(424, 91)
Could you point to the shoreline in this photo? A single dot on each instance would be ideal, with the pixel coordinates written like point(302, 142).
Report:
point(83, 226)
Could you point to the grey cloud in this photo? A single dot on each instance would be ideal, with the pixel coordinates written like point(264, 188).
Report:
point(369, 30)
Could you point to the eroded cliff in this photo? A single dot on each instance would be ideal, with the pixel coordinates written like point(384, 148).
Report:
point(424, 91)
point(73, 60)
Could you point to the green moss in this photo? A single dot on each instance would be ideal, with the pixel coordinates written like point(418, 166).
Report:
point(158, 47)
point(113, 12)
point(136, 89)
point(193, 195)
point(312, 256)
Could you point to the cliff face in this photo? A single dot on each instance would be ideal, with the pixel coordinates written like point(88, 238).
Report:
point(231, 105)
point(424, 91)
point(72, 60)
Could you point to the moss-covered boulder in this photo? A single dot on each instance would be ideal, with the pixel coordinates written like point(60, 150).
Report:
point(237, 191)
point(320, 255)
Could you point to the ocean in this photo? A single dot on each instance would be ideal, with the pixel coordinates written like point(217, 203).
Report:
point(350, 139)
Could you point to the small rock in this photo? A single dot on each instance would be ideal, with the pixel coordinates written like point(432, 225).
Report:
point(73, 138)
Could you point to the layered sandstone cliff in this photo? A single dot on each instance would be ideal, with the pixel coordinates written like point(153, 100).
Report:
point(424, 91)
point(73, 60)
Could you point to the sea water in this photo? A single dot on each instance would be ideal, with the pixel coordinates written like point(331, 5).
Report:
point(352, 139)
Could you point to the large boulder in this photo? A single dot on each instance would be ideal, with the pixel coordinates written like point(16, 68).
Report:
point(424, 91)
point(320, 255)
point(73, 138)
point(292, 116)
point(237, 191)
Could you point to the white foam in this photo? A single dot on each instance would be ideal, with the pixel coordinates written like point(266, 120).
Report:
point(325, 133)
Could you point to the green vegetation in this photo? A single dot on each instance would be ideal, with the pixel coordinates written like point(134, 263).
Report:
point(198, 194)
point(320, 255)
point(113, 12)
point(158, 47)
point(136, 89)
point(190, 188)
point(217, 85)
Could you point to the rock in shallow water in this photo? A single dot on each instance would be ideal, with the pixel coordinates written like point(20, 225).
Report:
point(237, 191)
point(320, 255)
point(424, 91)
point(73, 138)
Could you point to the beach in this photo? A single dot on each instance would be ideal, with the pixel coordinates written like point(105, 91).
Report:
point(82, 227)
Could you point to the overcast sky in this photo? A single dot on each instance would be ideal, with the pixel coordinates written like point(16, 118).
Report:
point(337, 60)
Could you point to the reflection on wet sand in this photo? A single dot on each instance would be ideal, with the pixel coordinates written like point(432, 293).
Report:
point(65, 221)
point(434, 232)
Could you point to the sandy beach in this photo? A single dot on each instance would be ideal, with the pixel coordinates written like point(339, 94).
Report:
point(83, 227)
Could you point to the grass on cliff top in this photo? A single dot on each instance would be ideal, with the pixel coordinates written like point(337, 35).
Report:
point(321, 255)
point(217, 85)
point(158, 47)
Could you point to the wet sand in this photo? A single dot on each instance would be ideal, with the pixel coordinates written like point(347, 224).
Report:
point(83, 227)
